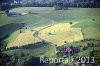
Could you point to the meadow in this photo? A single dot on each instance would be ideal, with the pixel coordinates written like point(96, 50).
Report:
point(88, 21)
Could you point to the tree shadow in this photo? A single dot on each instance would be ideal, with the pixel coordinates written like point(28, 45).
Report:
point(2, 13)
point(35, 61)
point(8, 29)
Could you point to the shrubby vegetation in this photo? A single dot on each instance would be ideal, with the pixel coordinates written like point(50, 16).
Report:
point(25, 59)
point(21, 58)
point(30, 46)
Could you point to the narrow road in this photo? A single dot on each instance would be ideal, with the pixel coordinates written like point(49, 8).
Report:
point(36, 34)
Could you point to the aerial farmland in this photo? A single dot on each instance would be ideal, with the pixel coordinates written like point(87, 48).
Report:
point(46, 32)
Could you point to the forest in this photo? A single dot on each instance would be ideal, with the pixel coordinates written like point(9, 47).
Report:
point(49, 3)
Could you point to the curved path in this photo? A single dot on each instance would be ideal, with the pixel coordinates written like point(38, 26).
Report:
point(36, 34)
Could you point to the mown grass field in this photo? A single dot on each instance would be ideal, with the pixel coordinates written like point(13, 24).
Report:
point(45, 16)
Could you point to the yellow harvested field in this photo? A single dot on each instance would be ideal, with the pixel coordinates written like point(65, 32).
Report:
point(24, 38)
point(59, 33)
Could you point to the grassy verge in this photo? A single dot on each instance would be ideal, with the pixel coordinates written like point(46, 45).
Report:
point(12, 37)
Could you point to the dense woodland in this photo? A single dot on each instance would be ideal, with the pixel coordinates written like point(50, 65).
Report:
point(50, 3)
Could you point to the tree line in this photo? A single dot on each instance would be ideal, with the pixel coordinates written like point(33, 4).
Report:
point(50, 3)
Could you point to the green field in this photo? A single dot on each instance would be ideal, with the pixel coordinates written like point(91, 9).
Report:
point(49, 14)
point(45, 16)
